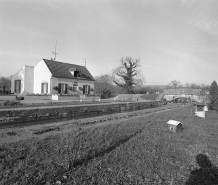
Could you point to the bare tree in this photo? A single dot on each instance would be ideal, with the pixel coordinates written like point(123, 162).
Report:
point(204, 91)
point(194, 86)
point(104, 85)
point(5, 83)
point(128, 74)
point(174, 84)
point(187, 85)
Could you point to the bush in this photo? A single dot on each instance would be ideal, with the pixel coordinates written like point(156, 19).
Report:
point(80, 88)
point(30, 94)
point(20, 98)
point(56, 88)
point(68, 95)
point(11, 103)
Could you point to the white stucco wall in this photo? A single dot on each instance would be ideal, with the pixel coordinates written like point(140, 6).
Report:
point(29, 79)
point(41, 75)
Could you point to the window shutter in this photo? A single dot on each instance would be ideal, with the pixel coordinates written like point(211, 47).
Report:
point(59, 88)
point(15, 90)
point(66, 86)
point(46, 87)
point(84, 89)
point(88, 89)
point(41, 88)
point(19, 82)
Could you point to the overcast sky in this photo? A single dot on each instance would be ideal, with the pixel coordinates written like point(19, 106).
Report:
point(174, 39)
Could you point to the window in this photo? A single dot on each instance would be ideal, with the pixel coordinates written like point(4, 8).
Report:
point(44, 88)
point(75, 85)
point(75, 72)
point(74, 88)
point(86, 89)
point(17, 86)
point(62, 88)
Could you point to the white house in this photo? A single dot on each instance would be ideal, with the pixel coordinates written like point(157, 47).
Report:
point(52, 77)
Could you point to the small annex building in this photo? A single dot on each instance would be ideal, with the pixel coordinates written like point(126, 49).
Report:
point(174, 126)
point(52, 77)
point(193, 94)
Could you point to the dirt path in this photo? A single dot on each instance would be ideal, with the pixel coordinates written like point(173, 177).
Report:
point(9, 135)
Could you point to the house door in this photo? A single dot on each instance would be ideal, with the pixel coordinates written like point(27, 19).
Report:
point(44, 88)
point(17, 86)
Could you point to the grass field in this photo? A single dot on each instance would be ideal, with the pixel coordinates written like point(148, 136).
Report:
point(139, 150)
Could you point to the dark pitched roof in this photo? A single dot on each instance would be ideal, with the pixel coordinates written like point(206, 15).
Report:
point(61, 70)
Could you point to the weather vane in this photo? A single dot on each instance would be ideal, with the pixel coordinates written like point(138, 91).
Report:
point(55, 51)
point(85, 62)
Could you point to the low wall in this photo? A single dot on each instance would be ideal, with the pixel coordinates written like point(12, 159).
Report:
point(91, 98)
point(60, 97)
point(68, 97)
point(8, 97)
point(37, 97)
point(43, 113)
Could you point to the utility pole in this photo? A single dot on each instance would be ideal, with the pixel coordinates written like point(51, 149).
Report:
point(85, 62)
point(55, 51)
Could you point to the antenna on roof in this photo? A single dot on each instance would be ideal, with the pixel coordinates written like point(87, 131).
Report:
point(85, 62)
point(55, 51)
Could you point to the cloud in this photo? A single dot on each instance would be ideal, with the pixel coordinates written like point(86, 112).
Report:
point(202, 14)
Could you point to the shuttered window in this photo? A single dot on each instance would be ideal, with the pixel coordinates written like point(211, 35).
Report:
point(86, 89)
point(62, 88)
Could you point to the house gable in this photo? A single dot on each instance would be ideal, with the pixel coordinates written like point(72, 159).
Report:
point(42, 75)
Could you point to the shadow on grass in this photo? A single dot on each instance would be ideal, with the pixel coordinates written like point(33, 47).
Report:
point(207, 174)
point(96, 153)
